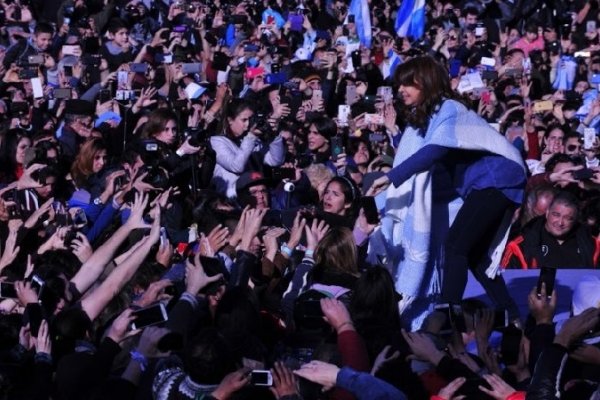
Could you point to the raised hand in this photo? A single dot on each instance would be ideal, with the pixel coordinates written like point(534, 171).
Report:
point(81, 247)
point(447, 392)
point(284, 381)
point(320, 372)
point(315, 233)
point(383, 357)
point(500, 389)
point(336, 314)
point(195, 277)
point(296, 232)
point(119, 329)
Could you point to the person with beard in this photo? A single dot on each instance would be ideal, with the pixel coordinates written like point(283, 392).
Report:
point(555, 240)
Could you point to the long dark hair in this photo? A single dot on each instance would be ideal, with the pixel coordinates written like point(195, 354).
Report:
point(432, 79)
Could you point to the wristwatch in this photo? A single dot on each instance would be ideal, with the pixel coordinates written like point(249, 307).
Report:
point(98, 201)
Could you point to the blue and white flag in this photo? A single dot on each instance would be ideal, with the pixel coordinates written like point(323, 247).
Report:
point(362, 19)
point(410, 21)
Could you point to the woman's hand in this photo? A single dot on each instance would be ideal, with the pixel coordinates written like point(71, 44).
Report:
point(315, 233)
point(296, 232)
point(195, 277)
point(500, 389)
point(378, 186)
point(270, 240)
point(284, 381)
point(238, 232)
point(153, 293)
point(253, 222)
point(423, 347)
point(43, 344)
point(447, 392)
point(119, 329)
point(81, 247)
point(186, 148)
point(336, 314)
point(231, 384)
point(26, 293)
point(384, 357)
point(320, 372)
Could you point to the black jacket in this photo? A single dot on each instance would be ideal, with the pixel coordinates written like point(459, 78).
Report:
point(546, 376)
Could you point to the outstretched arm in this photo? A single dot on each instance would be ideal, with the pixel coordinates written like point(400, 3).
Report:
point(99, 298)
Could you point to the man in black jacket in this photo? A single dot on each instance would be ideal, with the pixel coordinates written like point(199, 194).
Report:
point(555, 240)
point(40, 43)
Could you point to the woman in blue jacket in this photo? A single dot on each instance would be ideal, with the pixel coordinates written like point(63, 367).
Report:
point(448, 151)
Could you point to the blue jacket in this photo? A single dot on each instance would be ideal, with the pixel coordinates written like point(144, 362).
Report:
point(365, 386)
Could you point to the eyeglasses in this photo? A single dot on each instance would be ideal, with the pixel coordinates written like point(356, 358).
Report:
point(452, 37)
point(573, 147)
point(257, 192)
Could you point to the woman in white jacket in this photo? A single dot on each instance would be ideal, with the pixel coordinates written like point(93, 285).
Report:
point(236, 145)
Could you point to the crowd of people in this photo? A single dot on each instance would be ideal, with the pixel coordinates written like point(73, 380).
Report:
point(262, 200)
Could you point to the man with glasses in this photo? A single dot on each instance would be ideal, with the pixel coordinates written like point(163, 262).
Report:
point(251, 189)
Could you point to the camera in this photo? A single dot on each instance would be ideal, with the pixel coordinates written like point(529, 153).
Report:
point(197, 137)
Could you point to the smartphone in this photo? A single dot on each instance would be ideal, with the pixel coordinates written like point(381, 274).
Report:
point(343, 113)
point(369, 207)
point(238, 19)
point(71, 50)
point(33, 317)
point(356, 59)
point(386, 94)
point(510, 346)
point(454, 69)
point(37, 284)
point(80, 219)
point(584, 174)
point(351, 96)
point(259, 377)
point(152, 315)
point(190, 68)
point(62, 93)
point(337, 147)
point(317, 96)
point(446, 327)
point(543, 106)
point(375, 119)
point(138, 68)
point(105, 95)
point(163, 236)
point(547, 276)
point(7, 290)
point(220, 61)
point(251, 48)
point(38, 59)
point(28, 73)
point(279, 174)
point(590, 26)
point(500, 319)
point(489, 75)
point(278, 78)
point(488, 61)
point(589, 135)
point(351, 18)
point(36, 87)
point(68, 70)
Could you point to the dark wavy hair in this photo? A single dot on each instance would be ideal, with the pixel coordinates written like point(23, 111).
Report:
point(432, 79)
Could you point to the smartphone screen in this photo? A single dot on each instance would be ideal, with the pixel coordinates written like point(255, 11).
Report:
point(511, 345)
point(152, 315)
point(7, 290)
point(370, 209)
point(336, 147)
point(500, 319)
point(547, 276)
point(261, 378)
